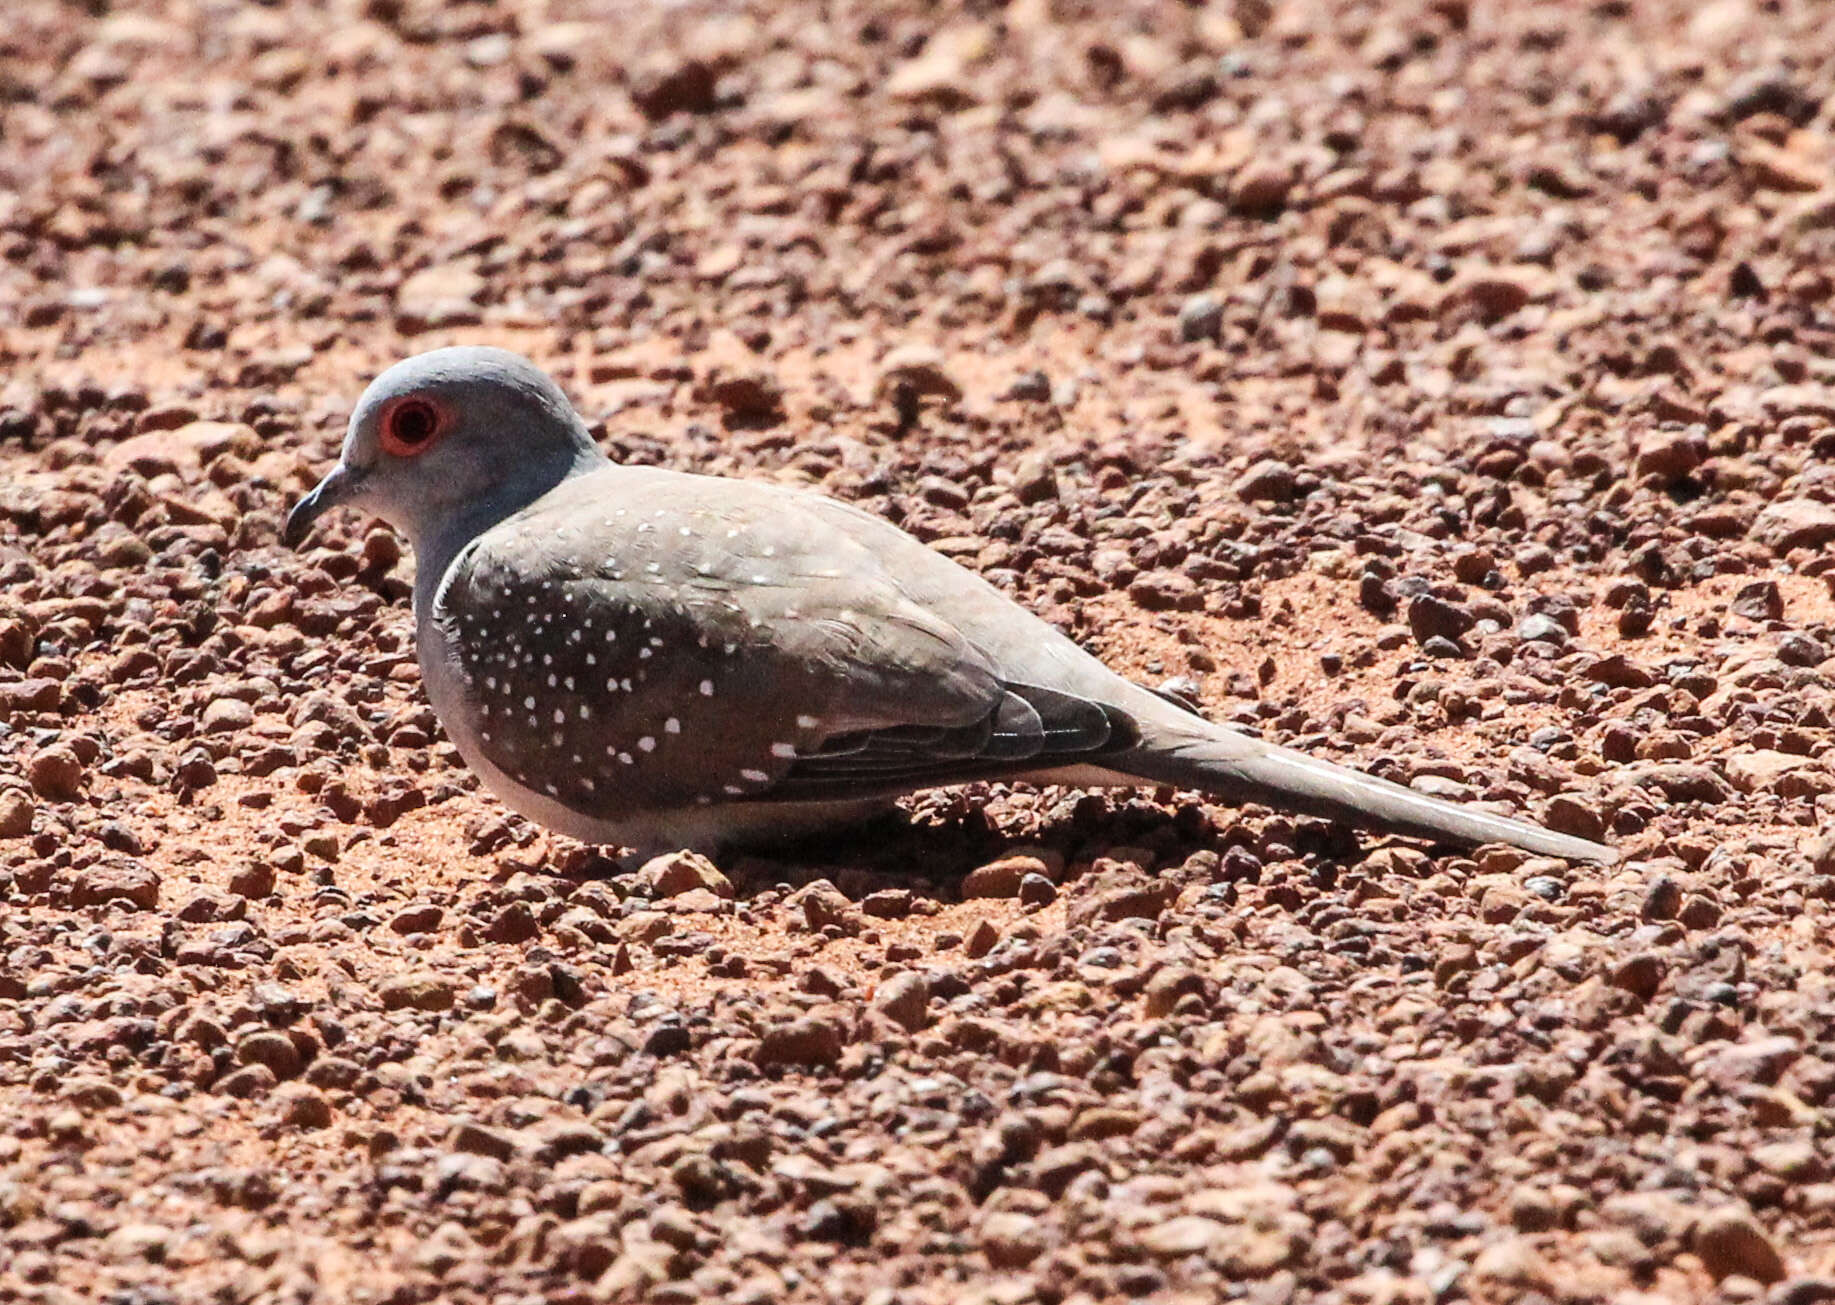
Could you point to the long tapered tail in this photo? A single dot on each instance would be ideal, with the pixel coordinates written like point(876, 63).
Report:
point(1243, 769)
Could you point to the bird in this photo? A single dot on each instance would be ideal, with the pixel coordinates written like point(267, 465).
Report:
point(659, 660)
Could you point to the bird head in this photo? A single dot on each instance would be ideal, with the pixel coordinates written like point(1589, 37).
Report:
point(449, 442)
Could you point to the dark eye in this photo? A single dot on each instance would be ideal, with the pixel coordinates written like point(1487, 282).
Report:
point(410, 426)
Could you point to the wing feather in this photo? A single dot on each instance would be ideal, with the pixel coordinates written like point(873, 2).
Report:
point(712, 651)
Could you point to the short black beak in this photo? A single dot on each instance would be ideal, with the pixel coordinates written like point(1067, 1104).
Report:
point(336, 488)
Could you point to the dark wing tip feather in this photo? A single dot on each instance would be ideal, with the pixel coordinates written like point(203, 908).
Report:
point(1028, 728)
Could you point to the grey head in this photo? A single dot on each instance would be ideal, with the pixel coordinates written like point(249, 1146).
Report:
point(446, 444)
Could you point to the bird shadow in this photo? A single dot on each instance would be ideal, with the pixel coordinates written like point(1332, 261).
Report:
point(930, 851)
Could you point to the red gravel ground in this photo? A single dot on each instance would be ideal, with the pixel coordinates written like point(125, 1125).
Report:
point(1443, 385)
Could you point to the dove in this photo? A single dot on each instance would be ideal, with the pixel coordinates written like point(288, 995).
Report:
point(654, 659)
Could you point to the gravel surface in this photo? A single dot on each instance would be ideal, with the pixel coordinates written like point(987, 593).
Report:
point(1442, 386)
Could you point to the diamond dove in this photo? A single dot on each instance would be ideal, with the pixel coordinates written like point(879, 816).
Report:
point(655, 659)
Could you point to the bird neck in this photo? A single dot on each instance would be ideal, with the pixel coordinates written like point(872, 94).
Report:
point(437, 544)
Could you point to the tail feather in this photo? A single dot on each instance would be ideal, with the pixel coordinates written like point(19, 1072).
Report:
point(1243, 769)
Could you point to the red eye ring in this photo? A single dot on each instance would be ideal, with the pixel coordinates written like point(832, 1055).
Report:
point(411, 425)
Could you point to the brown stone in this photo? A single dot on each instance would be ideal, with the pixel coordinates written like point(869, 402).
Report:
point(416, 991)
point(1729, 1241)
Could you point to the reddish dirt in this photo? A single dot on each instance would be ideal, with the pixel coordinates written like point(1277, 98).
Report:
point(1442, 387)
